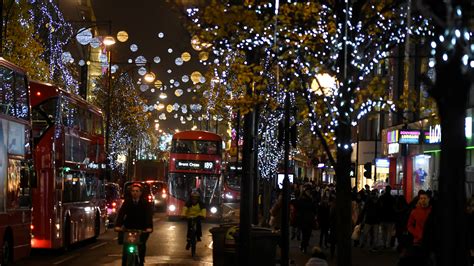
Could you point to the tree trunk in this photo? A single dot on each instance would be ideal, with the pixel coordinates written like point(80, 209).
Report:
point(451, 91)
point(343, 195)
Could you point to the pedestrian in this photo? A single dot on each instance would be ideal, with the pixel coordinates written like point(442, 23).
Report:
point(370, 222)
point(387, 216)
point(275, 213)
point(417, 253)
point(401, 219)
point(332, 224)
point(323, 219)
point(305, 216)
point(318, 258)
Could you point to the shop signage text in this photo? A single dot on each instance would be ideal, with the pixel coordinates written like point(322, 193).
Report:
point(393, 148)
point(409, 137)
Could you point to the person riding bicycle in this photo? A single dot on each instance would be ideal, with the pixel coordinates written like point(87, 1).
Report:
point(136, 214)
point(194, 208)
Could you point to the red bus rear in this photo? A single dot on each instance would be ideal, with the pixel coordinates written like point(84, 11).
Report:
point(232, 178)
point(16, 172)
point(195, 163)
point(69, 203)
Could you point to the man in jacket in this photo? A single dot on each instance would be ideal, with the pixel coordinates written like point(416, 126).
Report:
point(136, 214)
point(418, 217)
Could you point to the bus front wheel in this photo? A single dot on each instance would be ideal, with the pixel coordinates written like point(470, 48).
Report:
point(7, 251)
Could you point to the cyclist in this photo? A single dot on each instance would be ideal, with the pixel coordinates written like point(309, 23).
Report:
point(194, 208)
point(136, 214)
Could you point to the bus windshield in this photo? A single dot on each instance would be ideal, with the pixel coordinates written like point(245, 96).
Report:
point(195, 147)
point(180, 185)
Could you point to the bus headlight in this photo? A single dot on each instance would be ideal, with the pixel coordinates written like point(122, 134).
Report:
point(172, 208)
point(228, 196)
point(213, 210)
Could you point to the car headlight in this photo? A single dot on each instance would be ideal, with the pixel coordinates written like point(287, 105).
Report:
point(229, 196)
point(173, 208)
point(213, 210)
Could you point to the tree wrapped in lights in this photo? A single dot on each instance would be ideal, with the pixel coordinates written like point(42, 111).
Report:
point(345, 39)
point(452, 57)
point(20, 29)
point(129, 123)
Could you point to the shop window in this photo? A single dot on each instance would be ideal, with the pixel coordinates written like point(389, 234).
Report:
point(422, 177)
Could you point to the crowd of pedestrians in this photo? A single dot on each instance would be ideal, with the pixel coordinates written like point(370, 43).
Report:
point(381, 220)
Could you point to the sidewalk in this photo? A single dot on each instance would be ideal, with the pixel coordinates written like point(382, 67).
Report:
point(360, 257)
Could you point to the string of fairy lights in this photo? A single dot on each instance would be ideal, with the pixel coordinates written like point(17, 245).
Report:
point(316, 49)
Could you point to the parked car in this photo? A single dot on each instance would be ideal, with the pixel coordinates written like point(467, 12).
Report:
point(159, 189)
point(114, 201)
point(147, 195)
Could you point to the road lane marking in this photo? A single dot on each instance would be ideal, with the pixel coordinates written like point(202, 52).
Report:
point(98, 245)
point(65, 259)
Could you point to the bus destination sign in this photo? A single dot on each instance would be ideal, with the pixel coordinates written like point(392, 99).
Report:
point(194, 165)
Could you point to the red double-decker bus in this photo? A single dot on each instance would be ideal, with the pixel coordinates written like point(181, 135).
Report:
point(232, 179)
point(195, 163)
point(16, 173)
point(69, 153)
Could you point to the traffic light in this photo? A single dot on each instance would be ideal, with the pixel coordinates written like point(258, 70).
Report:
point(368, 170)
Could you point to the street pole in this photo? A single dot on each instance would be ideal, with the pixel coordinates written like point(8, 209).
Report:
point(285, 230)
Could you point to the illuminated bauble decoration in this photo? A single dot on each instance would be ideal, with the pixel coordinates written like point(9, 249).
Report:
point(163, 95)
point(189, 117)
point(130, 60)
point(186, 56)
point(169, 71)
point(216, 61)
point(169, 108)
point(144, 87)
point(161, 35)
point(140, 60)
point(195, 107)
point(171, 81)
point(199, 118)
point(157, 59)
point(202, 79)
point(175, 116)
point(178, 92)
point(176, 84)
point(158, 84)
point(133, 47)
point(189, 90)
point(185, 78)
point(162, 116)
point(103, 58)
point(170, 50)
point(206, 94)
point(203, 56)
point(196, 43)
point(175, 107)
point(184, 110)
point(178, 61)
point(84, 36)
point(152, 90)
point(81, 62)
point(142, 71)
point(66, 57)
point(95, 42)
point(195, 76)
point(114, 68)
point(122, 36)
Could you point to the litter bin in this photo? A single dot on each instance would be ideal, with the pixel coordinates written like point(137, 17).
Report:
point(225, 245)
point(224, 250)
point(264, 245)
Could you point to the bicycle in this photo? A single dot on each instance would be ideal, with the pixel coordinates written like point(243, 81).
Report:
point(192, 237)
point(131, 243)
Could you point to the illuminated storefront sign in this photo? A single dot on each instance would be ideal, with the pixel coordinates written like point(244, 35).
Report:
point(392, 136)
point(393, 148)
point(382, 163)
point(409, 137)
point(433, 136)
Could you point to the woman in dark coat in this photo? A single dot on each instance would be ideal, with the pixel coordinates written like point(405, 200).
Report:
point(305, 217)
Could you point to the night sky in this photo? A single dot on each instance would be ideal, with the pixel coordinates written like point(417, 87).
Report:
point(144, 20)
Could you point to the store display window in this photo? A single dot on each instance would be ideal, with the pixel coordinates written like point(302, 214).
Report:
point(421, 173)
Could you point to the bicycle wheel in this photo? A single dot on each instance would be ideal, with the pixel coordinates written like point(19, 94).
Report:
point(193, 246)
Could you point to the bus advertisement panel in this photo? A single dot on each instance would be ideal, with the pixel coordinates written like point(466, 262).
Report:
point(16, 173)
point(69, 203)
point(195, 164)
